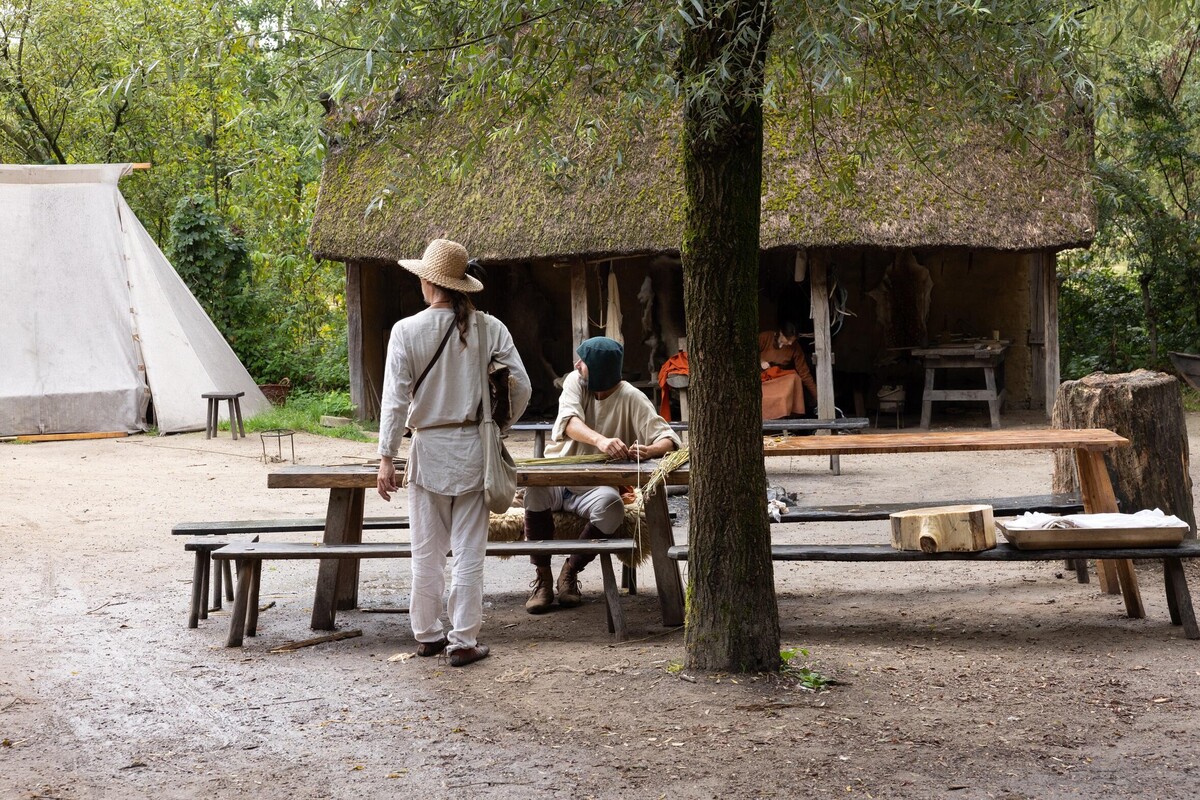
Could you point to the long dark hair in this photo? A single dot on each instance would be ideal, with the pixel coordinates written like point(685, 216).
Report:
point(463, 309)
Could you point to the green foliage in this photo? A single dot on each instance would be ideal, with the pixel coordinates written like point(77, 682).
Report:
point(1101, 323)
point(212, 261)
point(796, 665)
point(303, 412)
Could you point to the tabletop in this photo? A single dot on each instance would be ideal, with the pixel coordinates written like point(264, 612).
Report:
point(361, 476)
point(1098, 439)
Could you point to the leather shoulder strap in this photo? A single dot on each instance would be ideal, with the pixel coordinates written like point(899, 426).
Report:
point(433, 360)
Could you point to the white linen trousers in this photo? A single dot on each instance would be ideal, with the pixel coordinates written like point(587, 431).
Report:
point(440, 523)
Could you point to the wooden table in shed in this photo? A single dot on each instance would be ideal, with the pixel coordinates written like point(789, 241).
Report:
point(337, 580)
point(982, 354)
point(1088, 445)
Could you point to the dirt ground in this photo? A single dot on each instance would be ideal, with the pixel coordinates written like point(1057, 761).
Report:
point(1007, 681)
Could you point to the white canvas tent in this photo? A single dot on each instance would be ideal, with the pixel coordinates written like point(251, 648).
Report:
point(96, 323)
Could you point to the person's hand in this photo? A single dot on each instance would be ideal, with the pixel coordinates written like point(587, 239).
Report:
point(764, 364)
point(642, 452)
point(613, 448)
point(385, 480)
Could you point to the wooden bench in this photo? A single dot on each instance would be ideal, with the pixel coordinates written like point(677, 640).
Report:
point(249, 557)
point(771, 426)
point(222, 583)
point(1001, 507)
point(1179, 600)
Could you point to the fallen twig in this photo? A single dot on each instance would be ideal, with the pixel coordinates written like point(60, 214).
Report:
point(106, 604)
point(333, 637)
point(667, 632)
point(384, 610)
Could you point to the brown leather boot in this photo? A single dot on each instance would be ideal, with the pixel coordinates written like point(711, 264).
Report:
point(569, 594)
point(543, 592)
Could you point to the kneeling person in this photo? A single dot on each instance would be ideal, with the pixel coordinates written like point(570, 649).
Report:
point(597, 413)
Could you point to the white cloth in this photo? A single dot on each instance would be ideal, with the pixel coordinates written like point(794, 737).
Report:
point(445, 460)
point(439, 524)
point(626, 414)
point(1032, 520)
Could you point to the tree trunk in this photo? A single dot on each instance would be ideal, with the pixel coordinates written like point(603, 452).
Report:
point(1146, 408)
point(732, 614)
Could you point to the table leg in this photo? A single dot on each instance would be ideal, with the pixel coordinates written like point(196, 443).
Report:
point(927, 399)
point(539, 444)
point(337, 579)
point(989, 380)
point(1099, 497)
point(666, 571)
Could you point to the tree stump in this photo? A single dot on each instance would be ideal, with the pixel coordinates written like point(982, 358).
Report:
point(1147, 409)
point(944, 529)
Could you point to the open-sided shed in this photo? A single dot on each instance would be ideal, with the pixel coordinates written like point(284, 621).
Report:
point(874, 241)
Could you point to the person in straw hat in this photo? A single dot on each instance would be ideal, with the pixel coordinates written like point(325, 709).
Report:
point(432, 388)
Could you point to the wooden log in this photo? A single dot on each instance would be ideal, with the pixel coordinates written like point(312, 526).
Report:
point(1146, 408)
point(944, 529)
point(333, 637)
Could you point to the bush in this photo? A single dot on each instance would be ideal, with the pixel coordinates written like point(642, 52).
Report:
point(1101, 322)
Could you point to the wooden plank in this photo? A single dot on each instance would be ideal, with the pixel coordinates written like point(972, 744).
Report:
point(332, 637)
point(302, 550)
point(65, 437)
point(947, 441)
point(297, 525)
point(770, 425)
point(1001, 507)
point(1002, 552)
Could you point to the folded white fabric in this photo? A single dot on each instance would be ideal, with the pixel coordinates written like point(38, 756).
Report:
point(1032, 520)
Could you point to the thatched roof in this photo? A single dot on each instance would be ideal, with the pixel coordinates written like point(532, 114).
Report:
point(623, 194)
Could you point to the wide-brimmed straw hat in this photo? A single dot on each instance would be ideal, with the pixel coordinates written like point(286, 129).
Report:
point(444, 264)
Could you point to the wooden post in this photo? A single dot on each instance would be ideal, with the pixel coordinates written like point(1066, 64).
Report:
point(818, 283)
point(579, 306)
point(1050, 305)
point(354, 339)
point(1036, 264)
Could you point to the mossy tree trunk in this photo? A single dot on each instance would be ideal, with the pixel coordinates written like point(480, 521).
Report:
point(732, 614)
point(1147, 409)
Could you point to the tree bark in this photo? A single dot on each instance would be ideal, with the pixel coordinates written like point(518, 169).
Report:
point(1146, 408)
point(732, 613)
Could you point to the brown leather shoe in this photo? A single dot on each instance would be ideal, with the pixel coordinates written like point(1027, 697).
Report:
point(427, 649)
point(569, 593)
point(542, 598)
point(468, 655)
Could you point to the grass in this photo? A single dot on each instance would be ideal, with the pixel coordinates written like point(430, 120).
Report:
point(1191, 399)
point(303, 412)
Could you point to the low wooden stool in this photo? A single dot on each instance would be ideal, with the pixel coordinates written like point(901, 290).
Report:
point(235, 413)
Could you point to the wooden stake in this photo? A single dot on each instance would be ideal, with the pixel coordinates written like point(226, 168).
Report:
point(333, 637)
point(66, 437)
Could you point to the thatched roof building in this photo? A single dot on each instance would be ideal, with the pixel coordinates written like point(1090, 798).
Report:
point(846, 198)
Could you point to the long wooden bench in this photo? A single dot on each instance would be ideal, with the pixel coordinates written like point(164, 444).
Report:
point(222, 582)
point(771, 426)
point(1001, 507)
point(1179, 599)
point(249, 557)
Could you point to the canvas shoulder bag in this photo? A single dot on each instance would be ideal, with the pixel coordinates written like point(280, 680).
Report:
point(499, 469)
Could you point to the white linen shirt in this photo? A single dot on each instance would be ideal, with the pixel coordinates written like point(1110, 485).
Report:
point(445, 456)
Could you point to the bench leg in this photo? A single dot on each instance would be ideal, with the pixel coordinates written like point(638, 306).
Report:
point(237, 618)
point(927, 400)
point(1179, 600)
point(197, 591)
point(989, 380)
point(666, 570)
point(629, 579)
point(218, 583)
point(612, 600)
point(835, 465)
point(210, 427)
point(228, 572)
point(252, 604)
point(237, 406)
point(206, 566)
point(1081, 569)
point(232, 420)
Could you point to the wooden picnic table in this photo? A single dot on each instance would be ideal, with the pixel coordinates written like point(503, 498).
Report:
point(337, 580)
point(1088, 445)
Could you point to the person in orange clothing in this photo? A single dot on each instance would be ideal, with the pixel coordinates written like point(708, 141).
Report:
point(785, 373)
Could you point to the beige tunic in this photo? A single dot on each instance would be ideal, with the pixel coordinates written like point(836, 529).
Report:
point(626, 414)
point(445, 456)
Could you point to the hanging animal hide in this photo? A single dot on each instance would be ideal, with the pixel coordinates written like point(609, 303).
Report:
point(902, 302)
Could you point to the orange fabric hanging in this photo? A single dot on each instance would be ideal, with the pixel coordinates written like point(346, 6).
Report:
point(771, 373)
point(675, 365)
